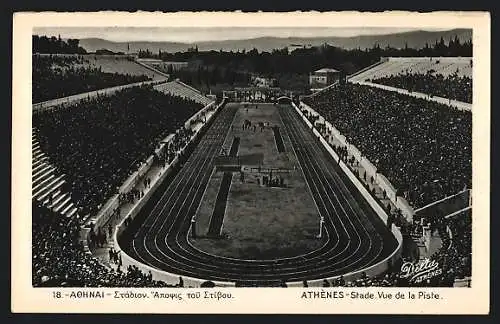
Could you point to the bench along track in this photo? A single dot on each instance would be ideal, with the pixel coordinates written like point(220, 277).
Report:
point(356, 238)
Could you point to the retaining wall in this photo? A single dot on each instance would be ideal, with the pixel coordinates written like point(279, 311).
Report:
point(199, 113)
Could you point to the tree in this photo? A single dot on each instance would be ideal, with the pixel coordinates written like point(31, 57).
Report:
point(73, 45)
point(53, 45)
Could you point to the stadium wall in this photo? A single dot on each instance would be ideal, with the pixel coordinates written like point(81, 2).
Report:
point(198, 114)
point(137, 175)
point(381, 266)
point(371, 170)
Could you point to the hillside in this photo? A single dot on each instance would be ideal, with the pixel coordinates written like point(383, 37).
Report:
point(414, 39)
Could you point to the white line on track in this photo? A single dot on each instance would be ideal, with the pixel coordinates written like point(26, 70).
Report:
point(173, 223)
point(340, 184)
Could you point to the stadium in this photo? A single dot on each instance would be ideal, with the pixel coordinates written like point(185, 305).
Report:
point(205, 168)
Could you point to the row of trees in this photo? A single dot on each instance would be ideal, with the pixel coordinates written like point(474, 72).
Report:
point(59, 76)
point(225, 69)
point(305, 60)
point(212, 78)
point(292, 69)
point(53, 45)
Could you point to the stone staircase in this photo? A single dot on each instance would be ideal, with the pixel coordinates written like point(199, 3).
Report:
point(177, 88)
point(47, 183)
point(419, 242)
point(424, 251)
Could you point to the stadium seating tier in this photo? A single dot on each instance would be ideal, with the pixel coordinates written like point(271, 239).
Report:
point(424, 148)
point(97, 143)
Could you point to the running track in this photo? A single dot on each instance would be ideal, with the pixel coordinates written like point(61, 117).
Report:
point(356, 238)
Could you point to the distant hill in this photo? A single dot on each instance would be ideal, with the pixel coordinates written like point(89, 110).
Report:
point(414, 39)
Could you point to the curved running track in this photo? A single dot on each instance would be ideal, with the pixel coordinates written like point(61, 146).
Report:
point(356, 238)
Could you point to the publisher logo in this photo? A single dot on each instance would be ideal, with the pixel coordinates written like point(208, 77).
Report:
point(420, 271)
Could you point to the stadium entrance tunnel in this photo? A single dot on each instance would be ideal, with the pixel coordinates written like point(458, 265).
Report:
point(284, 100)
point(228, 168)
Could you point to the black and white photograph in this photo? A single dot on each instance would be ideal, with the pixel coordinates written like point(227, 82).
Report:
point(332, 157)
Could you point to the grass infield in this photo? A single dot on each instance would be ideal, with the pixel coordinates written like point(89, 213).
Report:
point(260, 222)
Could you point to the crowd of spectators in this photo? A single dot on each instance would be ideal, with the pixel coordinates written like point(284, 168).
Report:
point(424, 148)
point(455, 255)
point(453, 86)
point(59, 258)
point(100, 141)
point(351, 111)
point(62, 76)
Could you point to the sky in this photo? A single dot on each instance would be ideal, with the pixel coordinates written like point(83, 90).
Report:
point(199, 34)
